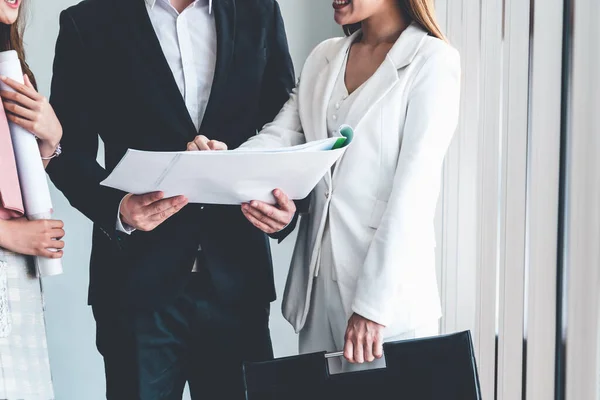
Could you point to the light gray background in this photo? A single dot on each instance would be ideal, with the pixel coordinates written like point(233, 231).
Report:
point(76, 366)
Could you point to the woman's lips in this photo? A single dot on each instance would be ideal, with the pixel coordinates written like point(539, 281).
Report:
point(339, 4)
point(13, 3)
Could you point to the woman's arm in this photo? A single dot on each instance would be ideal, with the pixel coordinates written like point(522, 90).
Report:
point(393, 258)
point(32, 238)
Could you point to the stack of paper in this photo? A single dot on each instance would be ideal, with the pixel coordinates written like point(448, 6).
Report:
point(230, 177)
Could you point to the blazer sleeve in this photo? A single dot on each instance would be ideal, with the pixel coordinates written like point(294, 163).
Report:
point(76, 173)
point(392, 261)
point(279, 77)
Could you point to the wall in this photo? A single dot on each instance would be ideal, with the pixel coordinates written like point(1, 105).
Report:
point(77, 367)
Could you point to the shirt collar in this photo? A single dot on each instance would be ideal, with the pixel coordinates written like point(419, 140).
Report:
point(151, 4)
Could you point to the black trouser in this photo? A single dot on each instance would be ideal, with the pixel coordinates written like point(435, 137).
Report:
point(151, 355)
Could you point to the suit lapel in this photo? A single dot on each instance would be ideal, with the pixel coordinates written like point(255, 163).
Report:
point(225, 17)
point(326, 80)
point(374, 89)
point(165, 93)
point(386, 77)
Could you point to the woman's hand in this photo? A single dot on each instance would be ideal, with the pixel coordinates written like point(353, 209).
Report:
point(270, 219)
point(32, 238)
point(32, 111)
point(363, 340)
point(201, 143)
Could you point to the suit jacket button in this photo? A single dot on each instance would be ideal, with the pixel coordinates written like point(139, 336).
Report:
point(327, 194)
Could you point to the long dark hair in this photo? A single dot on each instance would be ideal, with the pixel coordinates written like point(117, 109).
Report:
point(419, 11)
point(11, 38)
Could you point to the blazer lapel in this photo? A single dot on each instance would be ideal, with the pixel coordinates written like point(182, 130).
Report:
point(146, 45)
point(225, 20)
point(326, 80)
point(386, 77)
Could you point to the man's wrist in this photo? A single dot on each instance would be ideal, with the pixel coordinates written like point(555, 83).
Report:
point(122, 224)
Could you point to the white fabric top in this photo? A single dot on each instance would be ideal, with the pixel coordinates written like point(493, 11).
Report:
point(339, 106)
point(189, 42)
point(340, 102)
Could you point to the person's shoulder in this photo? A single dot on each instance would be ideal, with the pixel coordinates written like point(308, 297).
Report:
point(92, 17)
point(255, 8)
point(327, 48)
point(435, 50)
point(321, 55)
point(88, 8)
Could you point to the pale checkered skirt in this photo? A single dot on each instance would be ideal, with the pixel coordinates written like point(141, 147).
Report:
point(24, 365)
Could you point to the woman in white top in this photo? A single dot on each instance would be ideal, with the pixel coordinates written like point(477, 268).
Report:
point(363, 270)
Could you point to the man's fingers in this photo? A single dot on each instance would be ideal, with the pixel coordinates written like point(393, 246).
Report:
point(163, 205)
point(149, 198)
point(267, 215)
point(284, 201)
point(270, 212)
point(216, 145)
point(166, 214)
point(191, 146)
point(257, 223)
point(201, 142)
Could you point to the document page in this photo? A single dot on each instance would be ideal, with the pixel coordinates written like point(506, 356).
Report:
point(229, 177)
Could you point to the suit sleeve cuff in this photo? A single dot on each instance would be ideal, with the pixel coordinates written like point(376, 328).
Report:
point(121, 226)
point(286, 231)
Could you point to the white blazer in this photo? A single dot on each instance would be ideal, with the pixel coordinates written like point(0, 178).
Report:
point(382, 197)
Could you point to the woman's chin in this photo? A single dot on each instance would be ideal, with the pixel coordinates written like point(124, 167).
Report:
point(343, 20)
point(8, 16)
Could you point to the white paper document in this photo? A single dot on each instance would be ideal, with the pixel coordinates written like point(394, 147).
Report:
point(230, 177)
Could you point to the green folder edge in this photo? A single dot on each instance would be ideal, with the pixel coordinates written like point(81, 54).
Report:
point(347, 133)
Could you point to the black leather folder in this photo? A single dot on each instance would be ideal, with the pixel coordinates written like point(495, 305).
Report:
point(436, 368)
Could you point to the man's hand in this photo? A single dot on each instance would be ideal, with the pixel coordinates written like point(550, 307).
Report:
point(270, 219)
point(363, 340)
point(146, 212)
point(201, 143)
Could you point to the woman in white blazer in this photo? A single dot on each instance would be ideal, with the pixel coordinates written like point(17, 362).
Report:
point(363, 269)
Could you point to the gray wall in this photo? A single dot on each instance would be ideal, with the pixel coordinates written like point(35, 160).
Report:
point(77, 368)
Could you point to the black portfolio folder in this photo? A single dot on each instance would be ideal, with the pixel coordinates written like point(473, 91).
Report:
point(436, 368)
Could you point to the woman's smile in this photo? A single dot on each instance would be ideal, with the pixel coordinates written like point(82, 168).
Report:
point(13, 3)
point(337, 4)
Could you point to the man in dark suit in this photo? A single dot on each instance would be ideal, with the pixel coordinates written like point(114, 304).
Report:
point(180, 292)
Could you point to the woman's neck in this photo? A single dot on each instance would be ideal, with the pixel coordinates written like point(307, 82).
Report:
point(384, 27)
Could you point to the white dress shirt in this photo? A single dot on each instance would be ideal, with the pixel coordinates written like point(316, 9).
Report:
point(189, 44)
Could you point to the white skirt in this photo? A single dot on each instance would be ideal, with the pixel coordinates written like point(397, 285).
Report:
point(24, 365)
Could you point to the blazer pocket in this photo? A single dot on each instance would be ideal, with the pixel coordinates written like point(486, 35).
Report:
point(377, 214)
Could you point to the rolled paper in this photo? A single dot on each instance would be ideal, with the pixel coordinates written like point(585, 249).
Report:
point(30, 168)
